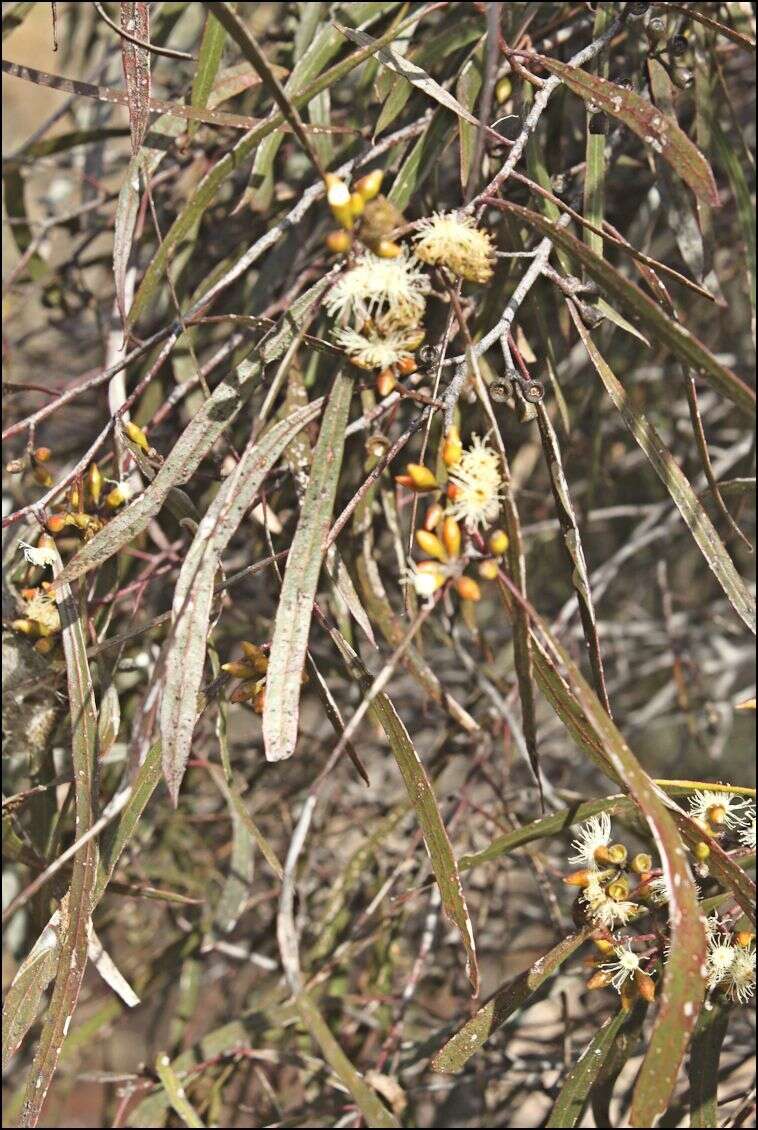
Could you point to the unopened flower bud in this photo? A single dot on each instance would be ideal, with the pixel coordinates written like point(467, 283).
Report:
point(744, 938)
point(41, 454)
point(385, 382)
point(338, 242)
point(452, 447)
point(701, 851)
point(94, 482)
point(136, 435)
point(406, 366)
point(577, 878)
point(451, 536)
point(468, 589)
point(503, 90)
point(388, 249)
point(422, 479)
point(338, 198)
point(605, 946)
point(645, 985)
point(433, 516)
point(56, 523)
point(488, 570)
point(369, 185)
point(357, 204)
point(599, 980)
point(431, 545)
point(498, 542)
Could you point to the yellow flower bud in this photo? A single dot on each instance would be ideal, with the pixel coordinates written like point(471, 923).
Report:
point(136, 435)
point(369, 185)
point(503, 90)
point(42, 476)
point(385, 382)
point(433, 516)
point(628, 993)
point(357, 204)
point(498, 542)
point(339, 242)
point(577, 878)
point(599, 980)
point(239, 670)
point(488, 570)
point(255, 655)
point(452, 448)
point(94, 482)
point(422, 479)
point(642, 863)
point(41, 454)
point(604, 946)
point(117, 497)
point(388, 249)
point(451, 536)
point(406, 365)
point(702, 851)
point(645, 985)
point(468, 589)
point(45, 645)
point(56, 523)
point(744, 938)
point(338, 198)
point(431, 545)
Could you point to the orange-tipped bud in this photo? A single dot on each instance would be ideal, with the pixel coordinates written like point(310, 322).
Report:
point(642, 863)
point(259, 700)
point(645, 985)
point(46, 645)
point(41, 454)
point(488, 570)
point(744, 938)
point(406, 366)
point(388, 249)
point(498, 542)
point(451, 536)
point(357, 204)
point(431, 545)
point(56, 523)
point(255, 655)
point(452, 448)
point(94, 482)
point(338, 242)
point(615, 854)
point(136, 435)
point(338, 198)
point(453, 491)
point(81, 521)
point(599, 980)
point(404, 481)
point(239, 670)
point(42, 476)
point(422, 479)
point(577, 878)
point(468, 589)
point(28, 594)
point(385, 382)
point(369, 185)
point(433, 516)
point(604, 946)
point(702, 851)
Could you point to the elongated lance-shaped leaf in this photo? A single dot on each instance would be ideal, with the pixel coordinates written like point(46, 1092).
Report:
point(704, 1064)
point(643, 310)
point(676, 483)
point(76, 908)
point(208, 62)
point(293, 615)
point(575, 1092)
point(209, 423)
point(684, 983)
point(176, 1094)
point(193, 596)
point(135, 20)
point(458, 1050)
point(421, 794)
point(23, 996)
point(658, 131)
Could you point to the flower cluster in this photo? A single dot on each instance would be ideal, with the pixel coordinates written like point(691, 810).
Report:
point(730, 965)
point(477, 485)
point(455, 242)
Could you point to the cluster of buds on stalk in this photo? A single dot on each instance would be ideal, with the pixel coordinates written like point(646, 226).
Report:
point(93, 500)
point(443, 534)
point(40, 620)
point(251, 671)
point(362, 213)
point(33, 461)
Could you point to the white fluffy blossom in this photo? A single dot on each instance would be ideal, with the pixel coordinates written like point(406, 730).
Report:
point(477, 483)
point(625, 966)
point(746, 829)
point(739, 982)
point(718, 807)
point(593, 834)
point(455, 242)
point(373, 352)
point(41, 555)
point(375, 286)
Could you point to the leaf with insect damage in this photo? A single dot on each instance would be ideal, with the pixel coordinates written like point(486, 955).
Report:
point(135, 20)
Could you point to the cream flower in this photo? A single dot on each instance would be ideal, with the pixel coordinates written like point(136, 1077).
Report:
point(374, 352)
point(41, 555)
point(594, 834)
point(477, 484)
point(425, 581)
point(604, 910)
point(44, 611)
point(719, 808)
point(739, 982)
point(625, 966)
point(721, 955)
point(375, 287)
point(747, 829)
point(455, 242)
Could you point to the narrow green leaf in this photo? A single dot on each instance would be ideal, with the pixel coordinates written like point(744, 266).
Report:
point(177, 1097)
point(704, 1064)
point(676, 483)
point(293, 615)
point(575, 1092)
point(458, 1050)
point(208, 62)
point(656, 130)
point(193, 595)
point(22, 999)
point(421, 794)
